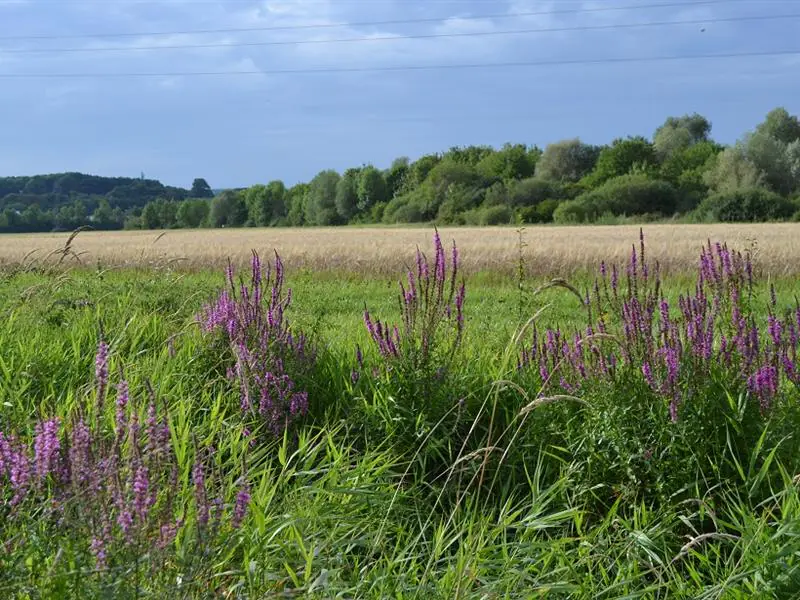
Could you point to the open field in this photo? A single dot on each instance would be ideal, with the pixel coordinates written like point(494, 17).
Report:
point(159, 438)
point(549, 251)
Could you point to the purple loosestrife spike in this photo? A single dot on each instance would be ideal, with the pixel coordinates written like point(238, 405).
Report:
point(648, 375)
point(5, 454)
point(603, 269)
point(19, 473)
point(774, 328)
point(80, 443)
point(98, 549)
point(101, 372)
point(46, 447)
point(200, 495)
point(241, 505)
point(141, 488)
point(673, 409)
point(123, 397)
point(125, 522)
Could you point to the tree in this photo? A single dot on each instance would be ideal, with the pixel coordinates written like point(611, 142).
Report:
point(192, 213)
point(679, 133)
point(620, 157)
point(395, 176)
point(513, 161)
point(371, 188)
point(228, 209)
point(296, 200)
point(567, 160)
point(347, 203)
point(771, 157)
point(201, 189)
point(732, 170)
point(780, 125)
point(101, 216)
point(321, 202)
point(151, 216)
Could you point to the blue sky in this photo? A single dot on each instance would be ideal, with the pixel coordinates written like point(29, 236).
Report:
point(241, 130)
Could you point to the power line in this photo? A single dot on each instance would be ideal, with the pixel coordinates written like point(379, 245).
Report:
point(508, 15)
point(305, 2)
point(406, 37)
point(329, 70)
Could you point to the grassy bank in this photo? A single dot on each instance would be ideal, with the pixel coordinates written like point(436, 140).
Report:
point(498, 457)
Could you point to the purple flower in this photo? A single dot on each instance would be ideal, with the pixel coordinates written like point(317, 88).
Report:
point(141, 488)
point(101, 372)
point(241, 505)
point(123, 397)
point(46, 447)
point(98, 549)
point(200, 495)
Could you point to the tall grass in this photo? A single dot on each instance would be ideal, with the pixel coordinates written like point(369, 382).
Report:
point(155, 445)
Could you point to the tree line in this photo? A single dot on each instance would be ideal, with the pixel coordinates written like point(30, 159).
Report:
point(681, 172)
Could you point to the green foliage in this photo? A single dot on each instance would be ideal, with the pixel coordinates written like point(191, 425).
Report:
point(266, 204)
point(372, 188)
point(678, 134)
point(568, 160)
point(625, 195)
point(511, 162)
point(452, 187)
point(746, 205)
point(621, 158)
point(496, 215)
point(320, 206)
point(347, 194)
point(781, 126)
point(193, 213)
point(201, 189)
point(228, 209)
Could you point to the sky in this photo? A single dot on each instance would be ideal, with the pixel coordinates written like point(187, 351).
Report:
point(280, 121)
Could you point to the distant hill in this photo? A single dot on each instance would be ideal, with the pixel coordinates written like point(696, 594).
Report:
point(51, 192)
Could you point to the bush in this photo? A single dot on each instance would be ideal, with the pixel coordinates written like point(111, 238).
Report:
point(626, 195)
point(746, 205)
point(496, 215)
point(541, 213)
point(530, 192)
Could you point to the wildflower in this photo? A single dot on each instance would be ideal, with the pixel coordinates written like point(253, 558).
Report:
point(200, 495)
point(123, 397)
point(101, 372)
point(241, 505)
point(46, 446)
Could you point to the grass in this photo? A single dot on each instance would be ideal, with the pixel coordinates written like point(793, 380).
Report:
point(483, 482)
point(549, 251)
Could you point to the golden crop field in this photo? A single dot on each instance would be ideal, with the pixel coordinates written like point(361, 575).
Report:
point(547, 250)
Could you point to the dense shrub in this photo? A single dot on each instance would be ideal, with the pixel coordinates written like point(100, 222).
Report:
point(496, 215)
point(746, 205)
point(626, 195)
point(541, 213)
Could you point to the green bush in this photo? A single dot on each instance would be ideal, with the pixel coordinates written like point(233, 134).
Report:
point(530, 192)
point(626, 195)
point(746, 205)
point(541, 213)
point(496, 215)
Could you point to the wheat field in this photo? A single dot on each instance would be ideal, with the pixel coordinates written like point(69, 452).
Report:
point(547, 250)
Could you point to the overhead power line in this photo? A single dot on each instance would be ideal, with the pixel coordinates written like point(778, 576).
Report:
point(507, 15)
point(407, 37)
point(329, 70)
